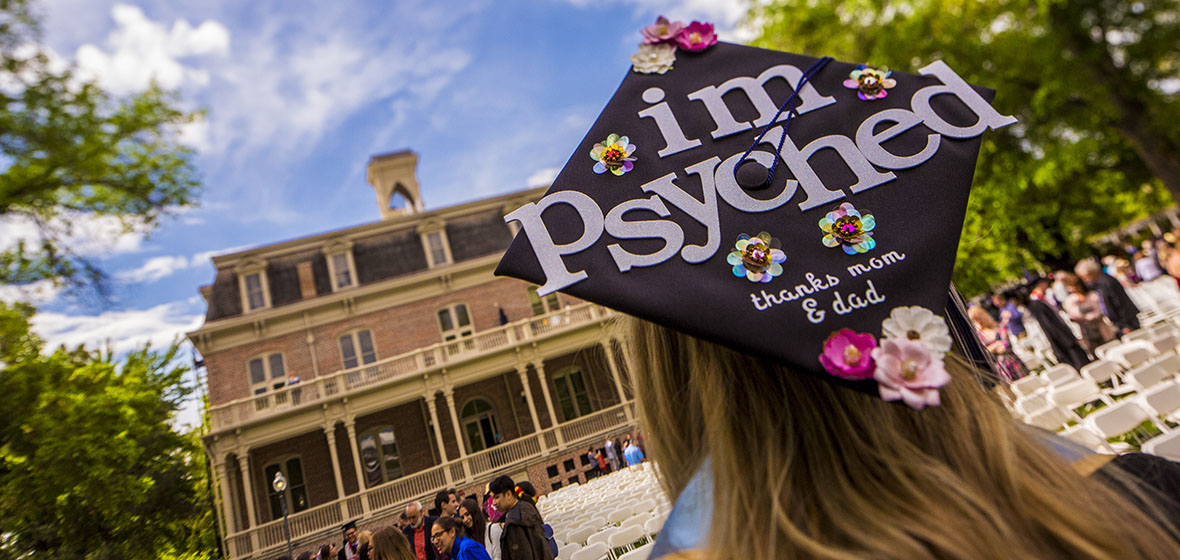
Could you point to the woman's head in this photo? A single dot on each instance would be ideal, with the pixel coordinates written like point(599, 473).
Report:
point(981, 318)
point(815, 469)
point(473, 519)
point(364, 536)
point(389, 543)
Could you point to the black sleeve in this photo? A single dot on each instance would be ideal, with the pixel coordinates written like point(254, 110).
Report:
point(1159, 478)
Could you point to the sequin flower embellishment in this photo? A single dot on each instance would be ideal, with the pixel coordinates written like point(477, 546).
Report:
point(613, 154)
point(870, 83)
point(757, 258)
point(850, 228)
point(848, 354)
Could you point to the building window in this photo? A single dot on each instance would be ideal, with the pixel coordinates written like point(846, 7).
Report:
point(341, 270)
point(437, 250)
point(541, 306)
point(266, 373)
point(380, 459)
point(296, 494)
point(479, 425)
point(454, 322)
point(255, 290)
point(571, 393)
point(356, 348)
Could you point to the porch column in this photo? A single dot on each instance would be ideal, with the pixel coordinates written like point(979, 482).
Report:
point(330, 434)
point(227, 498)
point(247, 488)
point(354, 445)
point(523, 371)
point(614, 368)
point(539, 366)
point(438, 440)
point(449, 395)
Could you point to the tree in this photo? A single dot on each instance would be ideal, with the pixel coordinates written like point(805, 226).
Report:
point(70, 151)
point(90, 466)
point(1097, 143)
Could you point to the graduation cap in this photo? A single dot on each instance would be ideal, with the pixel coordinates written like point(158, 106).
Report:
point(801, 209)
point(350, 525)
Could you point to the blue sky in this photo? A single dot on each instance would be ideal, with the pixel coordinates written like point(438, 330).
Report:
point(298, 95)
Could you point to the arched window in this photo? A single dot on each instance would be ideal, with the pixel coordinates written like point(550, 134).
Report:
point(296, 494)
point(380, 459)
point(571, 393)
point(479, 425)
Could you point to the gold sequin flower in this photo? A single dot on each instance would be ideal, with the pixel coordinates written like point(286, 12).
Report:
point(759, 258)
point(849, 228)
point(870, 83)
point(613, 154)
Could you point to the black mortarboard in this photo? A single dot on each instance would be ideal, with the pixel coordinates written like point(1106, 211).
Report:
point(347, 526)
point(653, 215)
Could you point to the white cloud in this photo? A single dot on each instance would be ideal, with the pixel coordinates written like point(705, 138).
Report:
point(123, 330)
point(154, 269)
point(163, 266)
point(542, 177)
point(140, 51)
point(86, 235)
point(36, 293)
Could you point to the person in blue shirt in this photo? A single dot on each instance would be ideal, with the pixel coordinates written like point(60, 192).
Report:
point(446, 536)
point(632, 454)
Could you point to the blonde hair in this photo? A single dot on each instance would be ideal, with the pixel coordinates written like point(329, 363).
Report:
point(364, 536)
point(803, 468)
point(981, 317)
point(389, 543)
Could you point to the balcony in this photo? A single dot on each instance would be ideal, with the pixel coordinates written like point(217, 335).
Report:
point(411, 364)
point(386, 500)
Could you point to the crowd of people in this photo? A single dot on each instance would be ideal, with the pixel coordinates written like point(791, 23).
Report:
point(504, 525)
point(1077, 311)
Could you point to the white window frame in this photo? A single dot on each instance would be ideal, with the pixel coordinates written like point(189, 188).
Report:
point(335, 249)
point(549, 303)
point(247, 270)
point(269, 382)
point(356, 346)
point(457, 331)
point(438, 227)
point(567, 373)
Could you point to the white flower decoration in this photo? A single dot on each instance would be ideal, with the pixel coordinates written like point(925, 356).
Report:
point(654, 59)
point(918, 323)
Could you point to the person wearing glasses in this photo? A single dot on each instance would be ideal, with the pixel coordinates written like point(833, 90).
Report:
point(447, 537)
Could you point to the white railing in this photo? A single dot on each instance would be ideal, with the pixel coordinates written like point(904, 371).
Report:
point(344, 382)
point(322, 520)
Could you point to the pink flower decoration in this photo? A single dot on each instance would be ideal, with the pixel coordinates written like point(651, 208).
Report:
point(907, 371)
point(662, 31)
point(848, 354)
point(697, 37)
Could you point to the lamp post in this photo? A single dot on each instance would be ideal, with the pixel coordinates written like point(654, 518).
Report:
point(280, 486)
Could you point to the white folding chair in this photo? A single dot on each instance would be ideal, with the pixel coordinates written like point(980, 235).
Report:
point(1060, 373)
point(1132, 354)
point(1082, 435)
point(1166, 446)
point(1104, 350)
point(579, 535)
point(640, 553)
point(1101, 371)
point(595, 552)
point(654, 525)
point(1028, 385)
point(1116, 420)
point(619, 514)
point(626, 539)
point(567, 551)
point(600, 537)
point(1163, 400)
point(1141, 334)
point(1050, 418)
point(1166, 343)
point(1169, 362)
point(1070, 396)
point(1147, 376)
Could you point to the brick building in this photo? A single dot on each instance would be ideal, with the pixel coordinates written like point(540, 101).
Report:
point(377, 364)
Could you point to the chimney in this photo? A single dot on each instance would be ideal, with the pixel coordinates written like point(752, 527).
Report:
point(393, 176)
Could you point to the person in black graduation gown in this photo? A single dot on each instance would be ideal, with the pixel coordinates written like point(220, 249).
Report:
point(1119, 308)
point(1064, 344)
